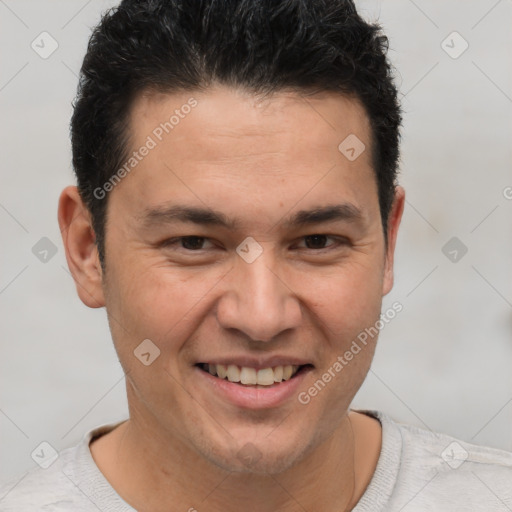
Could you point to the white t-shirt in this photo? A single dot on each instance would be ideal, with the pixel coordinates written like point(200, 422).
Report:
point(417, 471)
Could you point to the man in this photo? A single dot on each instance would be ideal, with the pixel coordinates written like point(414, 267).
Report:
point(236, 213)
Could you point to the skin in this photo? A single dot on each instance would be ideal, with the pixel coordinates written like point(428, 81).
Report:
point(259, 161)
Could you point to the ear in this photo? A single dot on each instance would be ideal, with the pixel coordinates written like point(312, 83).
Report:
point(395, 216)
point(80, 245)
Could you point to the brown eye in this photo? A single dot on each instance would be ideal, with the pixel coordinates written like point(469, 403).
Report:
point(322, 243)
point(316, 241)
point(192, 243)
point(189, 243)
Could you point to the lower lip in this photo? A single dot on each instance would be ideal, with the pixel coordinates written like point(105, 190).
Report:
point(251, 397)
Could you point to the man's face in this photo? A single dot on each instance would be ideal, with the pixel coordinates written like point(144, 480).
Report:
point(301, 301)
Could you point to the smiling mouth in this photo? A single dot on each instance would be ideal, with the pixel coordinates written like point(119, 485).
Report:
point(246, 376)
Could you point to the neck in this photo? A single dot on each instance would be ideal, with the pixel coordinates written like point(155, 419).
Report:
point(154, 471)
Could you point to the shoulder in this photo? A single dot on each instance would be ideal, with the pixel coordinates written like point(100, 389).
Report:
point(72, 481)
point(440, 471)
point(450, 456)
point(47, 489)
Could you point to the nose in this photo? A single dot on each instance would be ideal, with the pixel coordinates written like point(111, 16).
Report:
point(257, 300)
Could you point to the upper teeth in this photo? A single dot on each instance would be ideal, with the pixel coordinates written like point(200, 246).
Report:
point(247, 375)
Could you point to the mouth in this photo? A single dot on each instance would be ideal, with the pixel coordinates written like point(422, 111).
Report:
point(252, 377)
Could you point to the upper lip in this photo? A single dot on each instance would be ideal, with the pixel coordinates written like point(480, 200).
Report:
point(257, 362)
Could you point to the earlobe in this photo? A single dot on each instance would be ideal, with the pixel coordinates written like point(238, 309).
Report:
point(80, 246)
point(395, 216)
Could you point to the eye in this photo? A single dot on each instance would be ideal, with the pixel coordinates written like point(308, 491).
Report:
point(318, 241)
point(190, 243)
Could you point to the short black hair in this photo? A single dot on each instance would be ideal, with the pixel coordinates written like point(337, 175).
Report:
point(264, 46)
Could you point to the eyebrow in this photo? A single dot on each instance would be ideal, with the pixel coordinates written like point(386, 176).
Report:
point(330, 213)
point(204, 216)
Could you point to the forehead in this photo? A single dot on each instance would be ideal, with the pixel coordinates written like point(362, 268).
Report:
point(301, 121)
point(210, 146)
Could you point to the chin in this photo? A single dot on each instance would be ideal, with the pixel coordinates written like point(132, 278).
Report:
point(259, 457)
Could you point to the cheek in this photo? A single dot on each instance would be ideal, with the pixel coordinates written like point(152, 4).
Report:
point(157, 302)
point(344, 302)
point(346, 311)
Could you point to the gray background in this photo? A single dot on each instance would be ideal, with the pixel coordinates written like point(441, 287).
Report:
point(443, 363)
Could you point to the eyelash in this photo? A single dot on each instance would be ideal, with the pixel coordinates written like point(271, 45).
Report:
point(173, 242)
